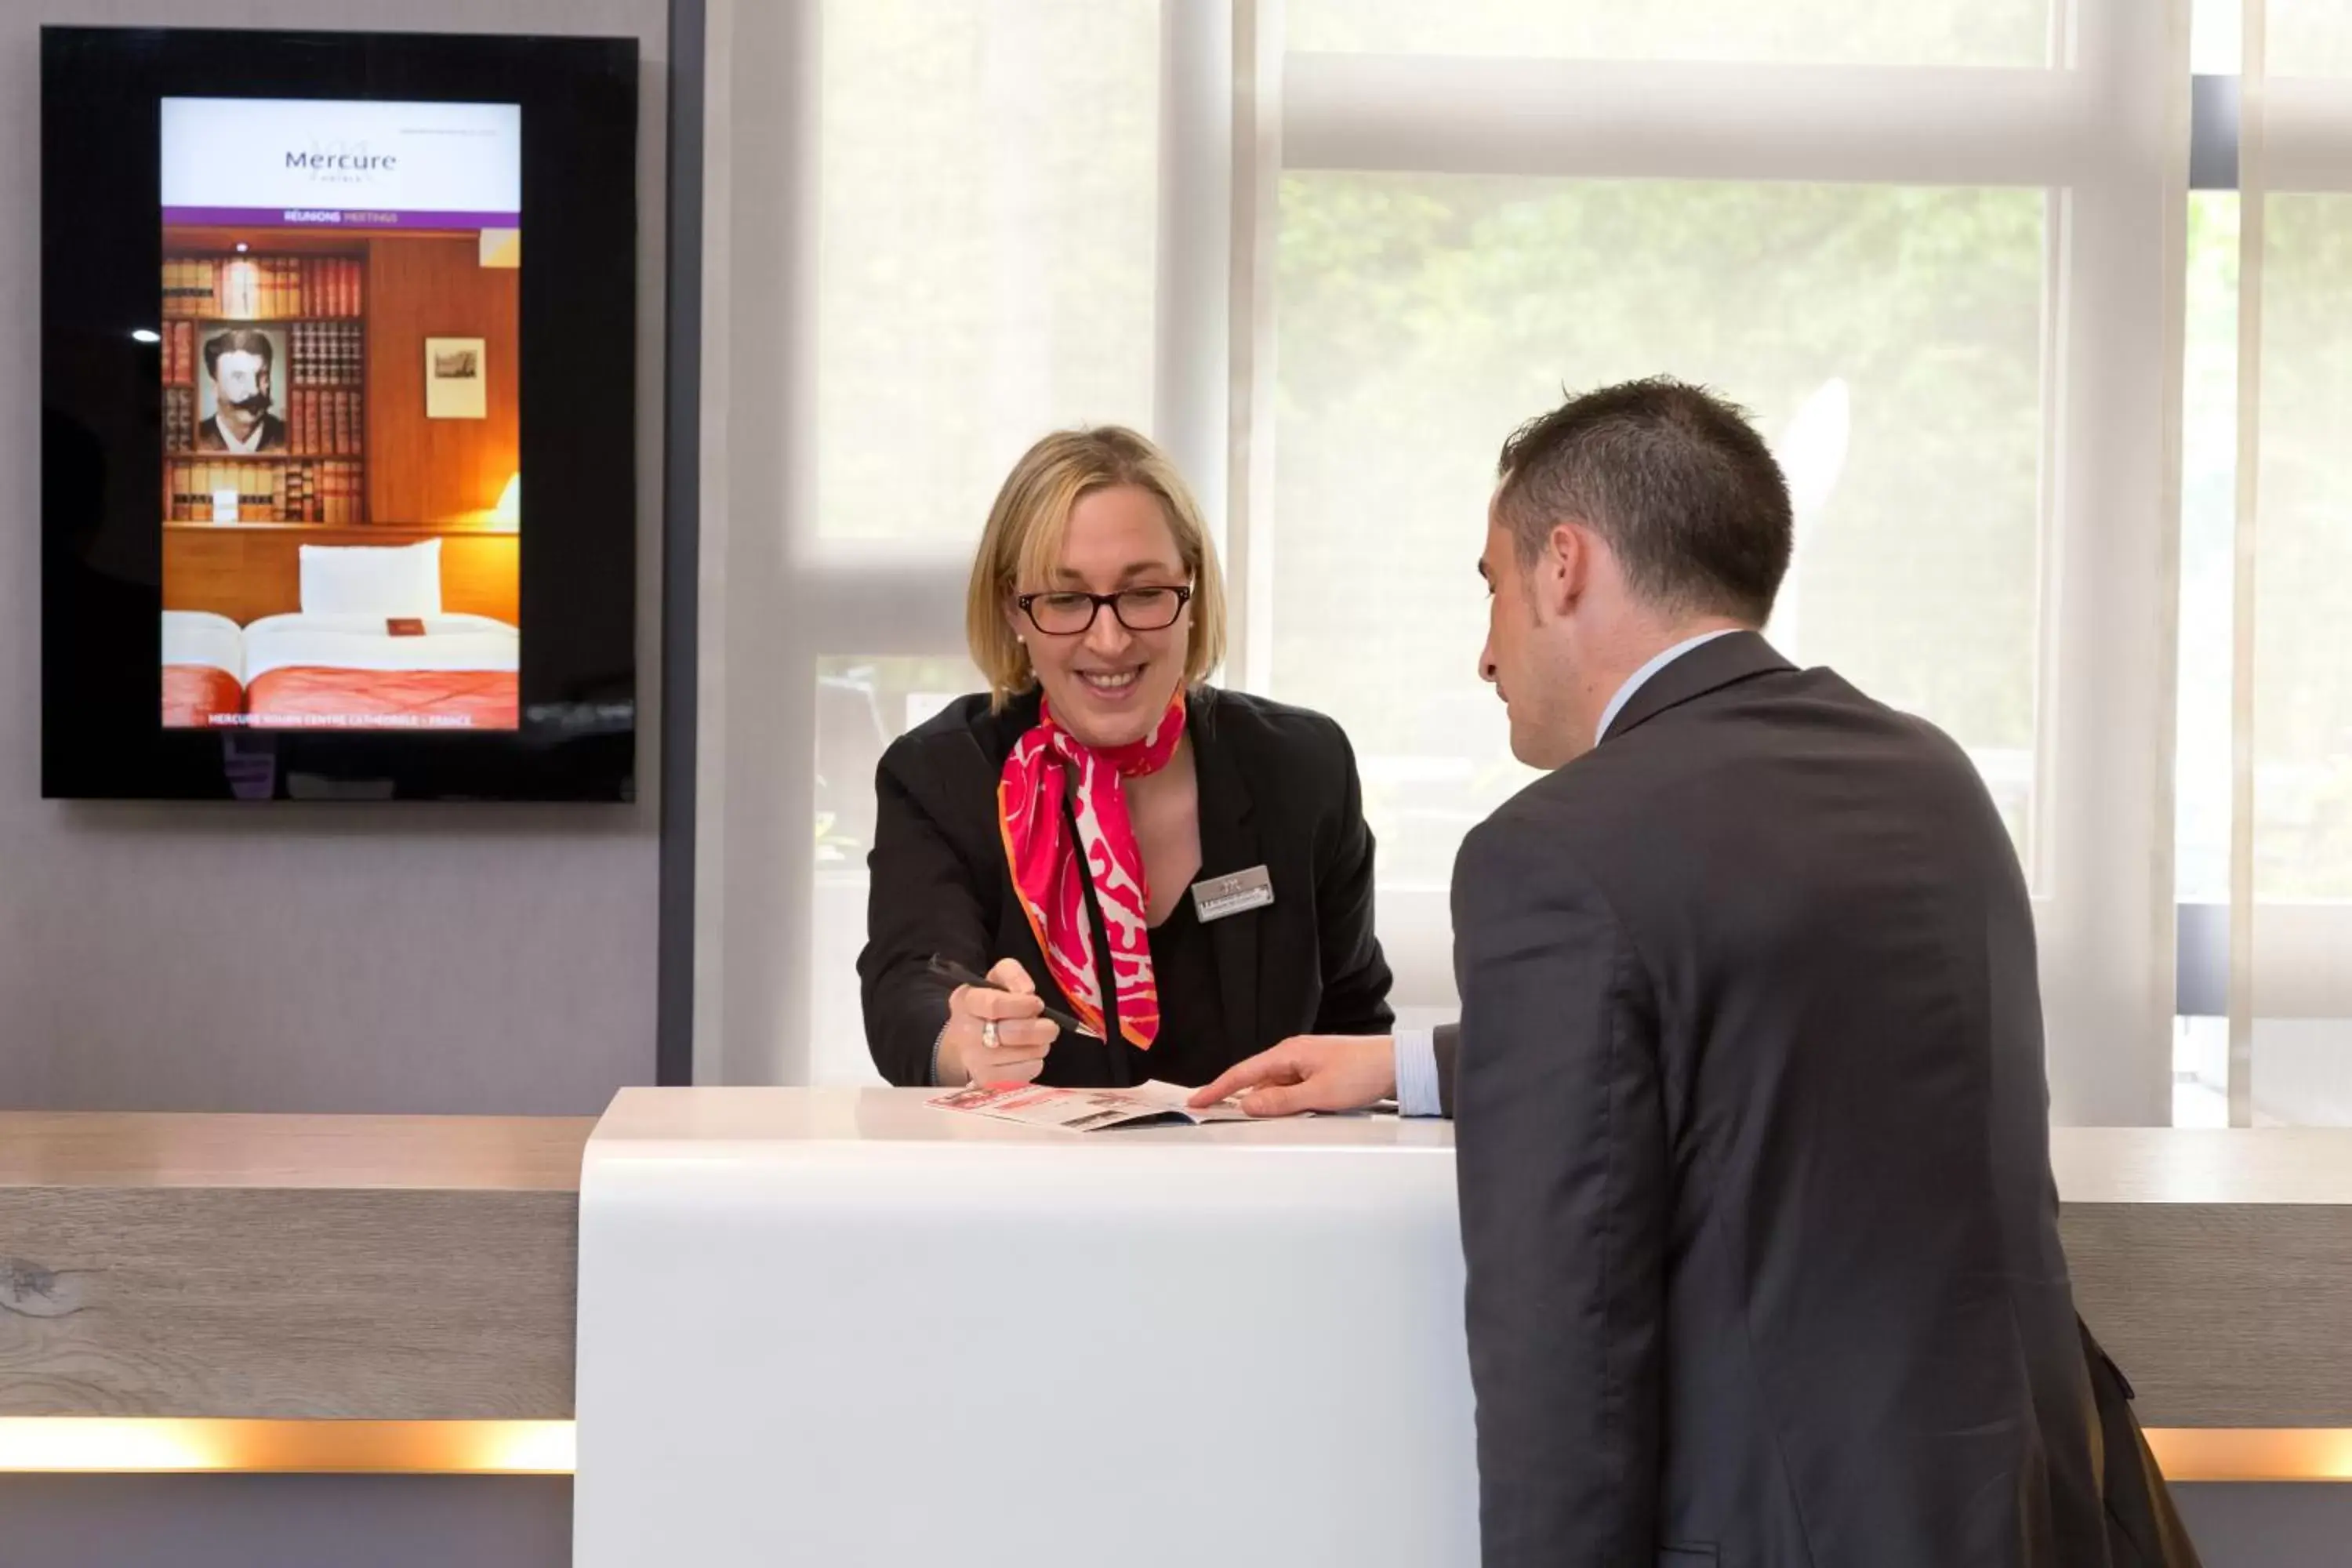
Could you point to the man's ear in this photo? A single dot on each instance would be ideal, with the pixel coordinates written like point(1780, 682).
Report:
point(1564, 568)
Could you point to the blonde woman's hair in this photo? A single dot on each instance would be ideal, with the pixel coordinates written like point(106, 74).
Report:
point(1024, 542)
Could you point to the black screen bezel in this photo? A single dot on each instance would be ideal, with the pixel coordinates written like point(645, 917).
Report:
point(102, 540)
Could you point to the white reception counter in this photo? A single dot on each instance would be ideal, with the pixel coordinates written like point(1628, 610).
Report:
point(839, 1327)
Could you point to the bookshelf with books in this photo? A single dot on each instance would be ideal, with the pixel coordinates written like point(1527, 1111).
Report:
point(311, 308)
point(267, 490)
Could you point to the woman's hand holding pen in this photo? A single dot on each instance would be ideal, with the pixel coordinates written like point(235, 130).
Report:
point(996, 1033)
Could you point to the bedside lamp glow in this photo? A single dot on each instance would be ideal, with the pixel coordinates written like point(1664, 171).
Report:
point(508, 513)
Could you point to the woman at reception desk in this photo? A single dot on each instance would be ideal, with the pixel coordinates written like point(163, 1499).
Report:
point(1183, 872)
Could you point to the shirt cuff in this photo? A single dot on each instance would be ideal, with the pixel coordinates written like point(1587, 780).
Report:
point(1416, 1073)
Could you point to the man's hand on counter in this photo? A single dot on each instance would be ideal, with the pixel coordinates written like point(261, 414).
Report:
point(1310, 1072)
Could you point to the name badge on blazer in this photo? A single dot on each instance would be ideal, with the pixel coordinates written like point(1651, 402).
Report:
point(1216, 897)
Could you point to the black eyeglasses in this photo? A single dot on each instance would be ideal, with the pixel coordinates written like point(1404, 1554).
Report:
point(1065, 613)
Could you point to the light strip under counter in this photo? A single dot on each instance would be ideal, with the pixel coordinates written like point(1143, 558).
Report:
point(57, 1445)
point(2238, 1453)
point(126, 1445)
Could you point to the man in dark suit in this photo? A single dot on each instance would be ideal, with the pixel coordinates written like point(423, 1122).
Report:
point(1761, 1233)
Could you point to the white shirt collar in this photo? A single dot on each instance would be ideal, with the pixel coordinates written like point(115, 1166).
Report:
point(250, 443)
point(1634, 681)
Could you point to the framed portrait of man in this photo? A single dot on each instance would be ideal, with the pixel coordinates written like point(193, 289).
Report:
point(241, 376)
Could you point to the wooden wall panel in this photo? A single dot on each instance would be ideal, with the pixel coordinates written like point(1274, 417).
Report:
point(421, 1305)
point(324, 1267)
point(2221, 1314)
point(247, 571)
point(436, 470)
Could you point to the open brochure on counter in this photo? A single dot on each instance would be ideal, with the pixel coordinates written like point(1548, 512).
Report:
point(1153, 1104)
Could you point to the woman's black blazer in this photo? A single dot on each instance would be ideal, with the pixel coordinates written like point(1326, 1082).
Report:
point(1277, 788)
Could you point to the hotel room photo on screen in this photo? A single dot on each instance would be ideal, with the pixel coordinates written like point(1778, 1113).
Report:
point(341, 507)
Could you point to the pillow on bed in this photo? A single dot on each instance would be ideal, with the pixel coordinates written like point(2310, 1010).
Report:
point(371, 579)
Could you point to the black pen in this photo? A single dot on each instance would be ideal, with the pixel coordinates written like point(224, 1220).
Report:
point(947, 968)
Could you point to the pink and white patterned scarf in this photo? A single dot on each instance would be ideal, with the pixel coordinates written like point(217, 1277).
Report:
point(1046, 867)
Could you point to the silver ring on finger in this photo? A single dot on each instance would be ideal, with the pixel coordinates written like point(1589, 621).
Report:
point(988, 1035)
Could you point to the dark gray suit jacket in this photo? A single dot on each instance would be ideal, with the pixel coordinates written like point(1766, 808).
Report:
point(1754, 1151)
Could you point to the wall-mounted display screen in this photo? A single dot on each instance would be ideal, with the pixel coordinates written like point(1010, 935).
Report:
point(328, 387)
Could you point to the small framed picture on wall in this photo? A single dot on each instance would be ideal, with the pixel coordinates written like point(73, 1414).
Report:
point(453, 382)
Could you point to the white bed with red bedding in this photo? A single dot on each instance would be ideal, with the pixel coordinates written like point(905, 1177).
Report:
point(370, 672)
point(370, 649)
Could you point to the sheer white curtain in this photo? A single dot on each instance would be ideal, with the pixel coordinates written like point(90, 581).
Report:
point(2291, 861)
point(1330, 252)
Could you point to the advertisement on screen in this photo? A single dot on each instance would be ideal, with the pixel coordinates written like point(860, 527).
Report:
point(343, 522)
